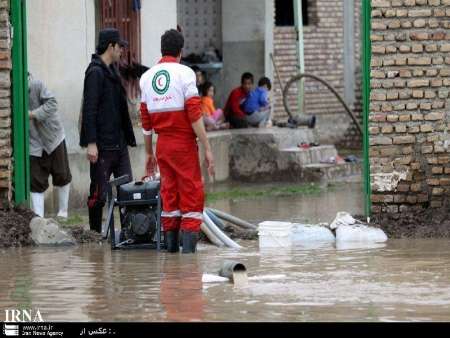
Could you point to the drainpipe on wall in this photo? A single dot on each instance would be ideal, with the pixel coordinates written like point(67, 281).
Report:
point(298, 16)
point(19, 86)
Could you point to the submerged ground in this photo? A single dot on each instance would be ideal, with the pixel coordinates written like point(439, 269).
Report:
point(404, 279)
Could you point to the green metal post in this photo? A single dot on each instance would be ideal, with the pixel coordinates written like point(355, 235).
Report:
point(366, 65)
point(26, 100)
point(298, 16)
point(20, 103)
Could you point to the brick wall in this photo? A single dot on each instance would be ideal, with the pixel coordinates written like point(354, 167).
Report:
point(409, 110)
point(324, 52)
point(5, 106)
point(285, 55)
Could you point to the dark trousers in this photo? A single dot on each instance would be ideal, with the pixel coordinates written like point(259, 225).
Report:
point(237, 123)
point(55, 164)
point(116, 162)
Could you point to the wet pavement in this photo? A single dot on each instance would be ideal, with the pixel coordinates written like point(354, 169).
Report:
point(402, 280)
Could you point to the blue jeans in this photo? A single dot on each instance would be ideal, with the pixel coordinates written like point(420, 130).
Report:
point(258, 117)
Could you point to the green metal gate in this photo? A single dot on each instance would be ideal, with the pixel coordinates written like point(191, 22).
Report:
point(19, 81)
point(366, 57)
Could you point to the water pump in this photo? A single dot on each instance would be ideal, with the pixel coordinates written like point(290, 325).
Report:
point(139, 207)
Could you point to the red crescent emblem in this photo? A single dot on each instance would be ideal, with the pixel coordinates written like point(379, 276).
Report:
point(159, 82)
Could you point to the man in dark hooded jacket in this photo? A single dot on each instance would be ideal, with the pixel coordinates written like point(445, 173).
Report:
point(106, 128)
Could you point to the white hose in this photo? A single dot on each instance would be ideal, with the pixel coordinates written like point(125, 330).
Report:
point(233, 219)
point(218, 233)
point(213, 238)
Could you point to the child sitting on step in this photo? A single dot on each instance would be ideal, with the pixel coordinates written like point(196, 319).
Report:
point(257, 105)
point(212, 117)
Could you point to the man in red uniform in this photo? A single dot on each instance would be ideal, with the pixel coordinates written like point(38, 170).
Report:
point(171, 107)
point(233, 111)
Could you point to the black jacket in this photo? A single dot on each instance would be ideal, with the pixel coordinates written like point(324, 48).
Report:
point(105, 119)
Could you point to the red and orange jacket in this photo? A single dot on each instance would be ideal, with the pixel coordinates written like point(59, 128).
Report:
point(234, 102)
point(169, 100)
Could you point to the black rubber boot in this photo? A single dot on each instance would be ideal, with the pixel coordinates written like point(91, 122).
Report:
point(95, 219)
point(172, 241)
point(189, 242)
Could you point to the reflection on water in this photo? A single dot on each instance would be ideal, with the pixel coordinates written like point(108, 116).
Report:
point(404, 280)
point(400, 280)
point(316, 208)
point(181, 289)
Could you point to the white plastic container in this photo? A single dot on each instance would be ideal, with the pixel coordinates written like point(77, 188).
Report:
point(360, 233)
point(274, 234)
point(304, 234)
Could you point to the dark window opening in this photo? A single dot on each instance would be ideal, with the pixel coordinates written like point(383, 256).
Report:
point(284, 13)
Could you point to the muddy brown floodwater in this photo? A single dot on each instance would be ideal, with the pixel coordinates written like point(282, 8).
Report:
point(402, 280)
point(310, 208)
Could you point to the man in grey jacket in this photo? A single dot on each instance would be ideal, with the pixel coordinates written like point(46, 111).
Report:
point(48, 152)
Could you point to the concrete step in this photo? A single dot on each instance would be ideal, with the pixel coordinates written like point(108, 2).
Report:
point(287, 138)
point(282, 137)
point(321, 172)
point(303, 157)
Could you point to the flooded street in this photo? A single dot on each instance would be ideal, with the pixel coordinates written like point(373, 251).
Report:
point(402, 280)
point(310, 208)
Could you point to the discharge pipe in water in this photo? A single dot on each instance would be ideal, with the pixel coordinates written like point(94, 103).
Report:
point(235, 271)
